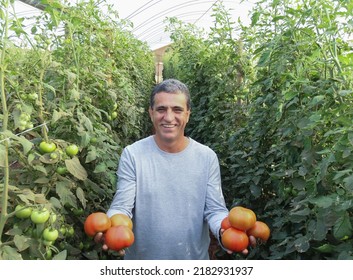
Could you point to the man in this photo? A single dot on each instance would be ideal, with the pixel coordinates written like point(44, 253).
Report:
point(169, 184)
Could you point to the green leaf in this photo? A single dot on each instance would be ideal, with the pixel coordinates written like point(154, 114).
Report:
point(343, 227)
point(325, 248)
point(254, 18)
point(86, 122)
point(264, 58)
point(317, 99)
point(57, 115)
point(302, 244)
point(76, 169)
point(91, 155)
point(9, 253)
point(66, 196)
point(61, 255)
point(348, 182)
point(100, 168)
point(21, 242)
point(81, 196)
point(323, 201)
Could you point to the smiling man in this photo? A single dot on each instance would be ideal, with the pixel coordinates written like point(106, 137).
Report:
point(169, 184)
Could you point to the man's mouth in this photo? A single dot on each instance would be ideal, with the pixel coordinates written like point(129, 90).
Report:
point(168, 125)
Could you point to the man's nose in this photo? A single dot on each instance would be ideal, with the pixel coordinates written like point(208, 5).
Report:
point(169, 116)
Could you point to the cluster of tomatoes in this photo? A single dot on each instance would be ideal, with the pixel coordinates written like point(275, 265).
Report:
point(239, 225)
point(117, 229)
point(55, 154)
point(39, 216)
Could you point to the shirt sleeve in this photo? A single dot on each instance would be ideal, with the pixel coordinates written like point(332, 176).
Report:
point(215, 208)
point(124, 198)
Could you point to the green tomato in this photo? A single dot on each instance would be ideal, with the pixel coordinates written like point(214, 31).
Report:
point(72, 150)
point(52, 218)
point(78, 212)
point(33, 96)
point(48, 254)
point(40, 216)
point(61, 170)
point(63, 230)
point(54, 155)
point(114, 115)
point(47, 242)
point(45, 147)
point(23, 212)
point(50, 234)
point(93, 140)
point(70, 231)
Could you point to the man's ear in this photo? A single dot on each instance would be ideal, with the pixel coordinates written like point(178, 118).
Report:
point(150, 112)
point(189, 113)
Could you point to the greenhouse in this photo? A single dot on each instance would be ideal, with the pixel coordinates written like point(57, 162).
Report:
point(271, 105)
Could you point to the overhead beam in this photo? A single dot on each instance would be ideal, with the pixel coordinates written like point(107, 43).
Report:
point(34, 3)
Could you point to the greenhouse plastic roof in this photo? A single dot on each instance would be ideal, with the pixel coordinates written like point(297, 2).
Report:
point(148, 16)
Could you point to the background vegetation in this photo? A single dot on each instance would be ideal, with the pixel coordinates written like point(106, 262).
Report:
point(77, 77)
point(273, 99)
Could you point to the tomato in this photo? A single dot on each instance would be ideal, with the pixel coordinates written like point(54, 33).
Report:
point(119, 237)
point(61, 170)
point(40, 216)
point(22, 212)
point(48, 254)
point(54, 155)
point(259, 230)
point(45, 147)
point(70, 231)
point(121, 220)
point(225, 223)
point(114, 115)
point(96, 222)
point(50, 234)
point(241, 218)
point(235, 240)
point(71, 150)
point(78, 211)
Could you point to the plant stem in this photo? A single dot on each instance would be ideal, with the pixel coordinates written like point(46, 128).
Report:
point(3, 214)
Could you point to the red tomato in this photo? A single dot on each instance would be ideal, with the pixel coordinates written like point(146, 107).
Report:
point(121, 220)
point(119, 237)
point(242, 218)
point(259, 230)
point(96, 222)
point(235, 240)
point(225, 223)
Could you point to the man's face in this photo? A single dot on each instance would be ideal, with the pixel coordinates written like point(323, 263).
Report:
point(169, 116)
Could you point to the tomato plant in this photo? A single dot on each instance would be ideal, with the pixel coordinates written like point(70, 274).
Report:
point(241, 218)
point(96, 222)
point(40, 216)
point(121, 220)
point(235, 240)
point(119, 237)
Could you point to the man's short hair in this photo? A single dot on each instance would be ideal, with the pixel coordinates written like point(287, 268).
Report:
point(171, 86)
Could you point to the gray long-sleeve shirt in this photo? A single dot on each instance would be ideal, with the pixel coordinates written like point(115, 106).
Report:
point(173, 199)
